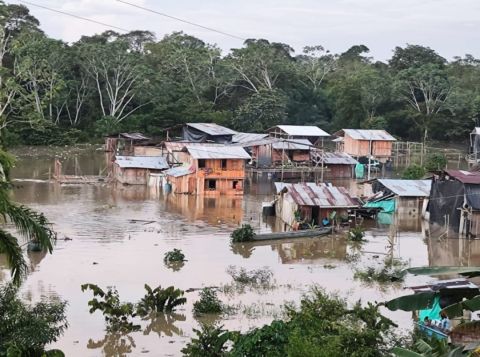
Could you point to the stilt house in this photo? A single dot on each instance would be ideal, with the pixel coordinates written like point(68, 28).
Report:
point(210, 170)
point(362, 142)
point(124, 143)
point(313, 134)
point(207, 132)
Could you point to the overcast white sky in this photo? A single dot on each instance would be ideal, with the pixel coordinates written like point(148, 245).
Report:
point(451, 27)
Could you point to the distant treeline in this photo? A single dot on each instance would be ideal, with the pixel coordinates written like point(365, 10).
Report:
point(55, 93)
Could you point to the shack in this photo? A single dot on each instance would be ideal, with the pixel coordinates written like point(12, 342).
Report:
point(124, 143)
point(337, 165)
point(363, 142)
point(247, 137)
point(455, 201)
point(207, 132)
point(210, 170)
point(408, 199)
point(176, 151)
point(311, 203)
point(293, 151)
point(313, 134)
point(135, 170)
point(147, 150)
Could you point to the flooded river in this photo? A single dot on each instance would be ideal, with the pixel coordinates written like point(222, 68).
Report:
point(117, 236)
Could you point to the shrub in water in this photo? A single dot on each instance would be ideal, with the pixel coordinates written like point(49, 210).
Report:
point(117, 314)
point(356, 234)
point(243, 234)
point(174, 255)
point(413, 172)
point(210, 342)
point(160, 300)
point(209, 303)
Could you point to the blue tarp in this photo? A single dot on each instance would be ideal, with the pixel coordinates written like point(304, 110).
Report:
point(359, 171)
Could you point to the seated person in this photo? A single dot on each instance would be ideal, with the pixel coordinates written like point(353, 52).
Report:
point(427, 321)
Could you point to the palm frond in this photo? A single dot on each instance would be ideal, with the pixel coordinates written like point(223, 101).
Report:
point(10, 247)
point(30, 224)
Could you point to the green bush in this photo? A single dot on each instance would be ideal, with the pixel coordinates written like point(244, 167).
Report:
point(174, 255)
point(435, 162)
point(391, 271)
point(356, 234)
point(254, 277)
point(209, 303)
point(243, 234)
point(160, 300)
point(211, 341)
point(117, 314)
point(413, 172)
point(26, 330)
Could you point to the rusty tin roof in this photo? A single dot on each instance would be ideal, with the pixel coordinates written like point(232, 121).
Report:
point(322, 195)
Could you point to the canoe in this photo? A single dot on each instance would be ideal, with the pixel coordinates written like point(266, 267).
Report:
point(432, 332)
point(293, 234)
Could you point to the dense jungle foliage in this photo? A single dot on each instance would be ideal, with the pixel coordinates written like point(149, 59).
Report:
point(55, 93)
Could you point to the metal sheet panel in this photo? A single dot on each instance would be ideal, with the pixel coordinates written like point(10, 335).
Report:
point(465, 176)
point(302, 130)
point(212, 129)
point(180, 171)
point(366, 134)
point(338, 158)
point(247, 137)
point(408, 188)
point(217, 152)
point(292, 144)
point(142, 162)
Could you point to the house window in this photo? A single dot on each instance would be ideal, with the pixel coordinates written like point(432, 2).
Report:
point(223, 164)
point(211, 185)
point(201, 163)
point(235, 184)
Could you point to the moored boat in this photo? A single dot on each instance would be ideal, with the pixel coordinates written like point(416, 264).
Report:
point(293, 234)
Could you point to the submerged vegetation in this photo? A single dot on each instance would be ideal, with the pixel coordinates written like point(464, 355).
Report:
point(323, 325)
point(243, 234)
point(119, 315)
point(356, 234)
point(209, 303)
point(174, 256)
point(390, 271)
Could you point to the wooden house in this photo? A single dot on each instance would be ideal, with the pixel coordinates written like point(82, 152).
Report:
point(176, 152)
point(124, 143)
point(147, 150)
point(455, 201)
point(135, 170)
point(313, 134)
point(311, 203)
point(211, 170)
point(207, 132)
point(362, 142)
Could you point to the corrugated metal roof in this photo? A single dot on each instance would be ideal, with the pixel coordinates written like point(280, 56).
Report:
point(301, 130)
point(366, 134)
point(180, 145)
point(142, 162)
point(322, 195)
point(212, 129)
point(465, 176)
point(180, 171)
point(338, 158)
point(292, 144)
point(408, 188)
point(218, 152)
point(247, 137)
point(129, 136)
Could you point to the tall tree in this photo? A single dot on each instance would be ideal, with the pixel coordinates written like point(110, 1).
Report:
point(426, 90)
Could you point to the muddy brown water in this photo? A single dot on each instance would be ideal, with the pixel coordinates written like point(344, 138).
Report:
point(117, 236)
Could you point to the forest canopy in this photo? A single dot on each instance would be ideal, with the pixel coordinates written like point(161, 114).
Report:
point(52, 92)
